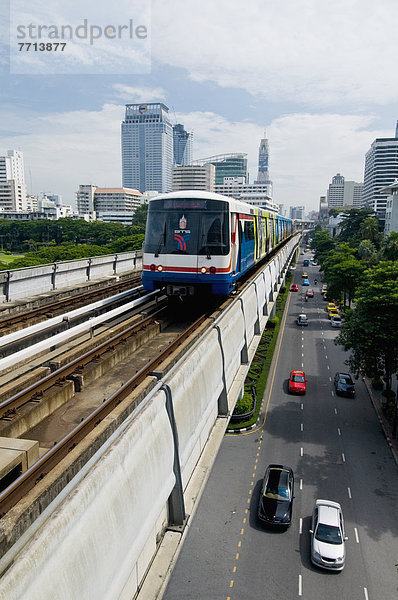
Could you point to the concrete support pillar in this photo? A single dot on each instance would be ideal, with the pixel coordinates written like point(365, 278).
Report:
point(222, 399)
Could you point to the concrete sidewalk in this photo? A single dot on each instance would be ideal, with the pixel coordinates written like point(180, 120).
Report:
point(377, 398)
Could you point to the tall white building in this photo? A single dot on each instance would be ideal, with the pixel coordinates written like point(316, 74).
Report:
point(252, 193)
point(85, 200)
point(116, 205)
point(194, 177)
point(147, 147)
point(344, 193)
point(391, 223)
point(381, 169)
point(12, 181)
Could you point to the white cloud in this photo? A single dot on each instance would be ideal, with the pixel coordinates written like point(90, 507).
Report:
point(306, 150)
point(133, 94)
point(63, 150)
point(312, 51)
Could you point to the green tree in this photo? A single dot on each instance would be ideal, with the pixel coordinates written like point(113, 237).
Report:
point(350, 229)
point(367, 252)
point(389, 249)
point(343, 272)
point(369, 230)
point(139, 218)
point(371, 329)
point(322, 243)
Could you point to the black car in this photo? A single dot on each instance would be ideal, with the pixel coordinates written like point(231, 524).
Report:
point(276, 496)
point(344, 384)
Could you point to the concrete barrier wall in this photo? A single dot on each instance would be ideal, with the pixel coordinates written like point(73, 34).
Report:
point(88, 546)
point(100, 538)
point(232, 332)
point(22, 283)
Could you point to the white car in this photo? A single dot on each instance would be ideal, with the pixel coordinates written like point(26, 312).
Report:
point(328, 536)
point(335, 321)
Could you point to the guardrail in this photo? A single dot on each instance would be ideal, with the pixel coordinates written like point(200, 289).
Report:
point(31, 281)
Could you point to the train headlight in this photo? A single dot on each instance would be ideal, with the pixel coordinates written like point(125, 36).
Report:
point(212, 270)
point(203, 270)
point(160, 268)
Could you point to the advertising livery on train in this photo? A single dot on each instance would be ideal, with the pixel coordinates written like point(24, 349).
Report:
point(199, 241)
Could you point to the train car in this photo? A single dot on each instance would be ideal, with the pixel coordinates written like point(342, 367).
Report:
point(204, 242)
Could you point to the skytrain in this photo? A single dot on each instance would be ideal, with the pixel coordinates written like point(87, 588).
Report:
point(200, 242)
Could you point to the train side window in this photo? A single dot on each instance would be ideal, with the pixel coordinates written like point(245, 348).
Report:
point(249, 230)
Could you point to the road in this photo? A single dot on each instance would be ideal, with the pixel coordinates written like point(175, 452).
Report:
point(337, 451)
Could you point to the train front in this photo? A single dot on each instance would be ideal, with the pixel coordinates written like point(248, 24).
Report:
point(187, 245)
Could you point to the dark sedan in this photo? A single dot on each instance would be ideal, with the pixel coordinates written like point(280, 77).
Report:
point(276, 497)
point(344, 384)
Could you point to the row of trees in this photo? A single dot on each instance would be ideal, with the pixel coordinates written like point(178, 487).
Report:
point(360, 266)
point(66, 239)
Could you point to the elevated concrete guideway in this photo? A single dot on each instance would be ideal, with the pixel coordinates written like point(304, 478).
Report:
point(98, 538)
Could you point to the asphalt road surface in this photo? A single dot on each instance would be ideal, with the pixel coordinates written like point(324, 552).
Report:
point(337, 451)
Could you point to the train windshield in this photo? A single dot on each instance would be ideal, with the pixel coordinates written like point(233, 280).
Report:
point(187, 227)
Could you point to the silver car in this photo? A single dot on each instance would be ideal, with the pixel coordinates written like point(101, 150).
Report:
point(335, 321)
point(328, 536)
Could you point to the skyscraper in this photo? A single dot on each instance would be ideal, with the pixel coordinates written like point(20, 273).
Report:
point(12, 182)
point(344, 193)
point(381, 169)
point(147, 147)
point(263, 165)
point(182, 143)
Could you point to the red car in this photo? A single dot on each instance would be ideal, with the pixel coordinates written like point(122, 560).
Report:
point(297, 382)
point(294, 287)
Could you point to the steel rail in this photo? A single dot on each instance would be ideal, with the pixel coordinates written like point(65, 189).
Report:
point(21, 486)
point(24, 316)
point(35, 391)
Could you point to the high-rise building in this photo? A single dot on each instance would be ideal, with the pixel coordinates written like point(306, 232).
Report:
point(297, 212)
point(344, 193)
point(182, 145)
point(381, 169)
point(147, 147)
point(12, 181)
point(252, 193)
point(85, 199)
point(263, 177)
point(227, 165)
point(12, 166)
point(116, 205)
point(193, 177)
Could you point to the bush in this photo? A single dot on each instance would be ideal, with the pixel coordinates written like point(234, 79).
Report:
point(378, 383)
point(272, 323)
point(245, 404)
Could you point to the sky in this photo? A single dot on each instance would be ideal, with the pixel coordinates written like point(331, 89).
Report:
point(319, 77)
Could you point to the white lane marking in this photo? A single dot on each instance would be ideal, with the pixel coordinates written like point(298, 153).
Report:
point(335, 411)
point(300, 526)
point(356, 535)
point(302, 345)
point(332, 392)
point(302, 406)
point(330, 379)
point(349, 493)
point(343, 456)
point(301, 451)
point(365, 591)
point(302, 365)
point(328, 367)
point(302, 427)
point(302, 354)
point(301, 484)
point(338, 431)
point(300, 591)
point(326, 355)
